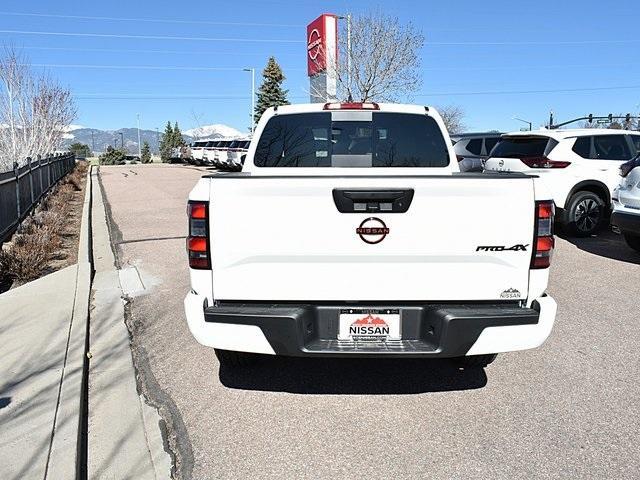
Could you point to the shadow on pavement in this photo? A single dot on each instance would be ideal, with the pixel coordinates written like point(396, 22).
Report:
point(357, 376)
point(606, 244)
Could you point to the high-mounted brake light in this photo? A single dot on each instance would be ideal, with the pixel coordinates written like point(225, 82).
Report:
point(198, 239)
point(352, 106)
point(543, 162)
point(543, 241)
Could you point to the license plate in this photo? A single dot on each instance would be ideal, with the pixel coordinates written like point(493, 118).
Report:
point(369, 324)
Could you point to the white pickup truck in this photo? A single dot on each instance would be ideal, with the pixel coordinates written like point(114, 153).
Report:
point(350, 232)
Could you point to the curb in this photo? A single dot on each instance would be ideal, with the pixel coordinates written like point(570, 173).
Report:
point(125, 439)
point(66, 453)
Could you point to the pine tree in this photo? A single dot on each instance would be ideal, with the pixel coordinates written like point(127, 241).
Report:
point(271, 93)
point(178, 141)
point(166, 143)
point(145, 155)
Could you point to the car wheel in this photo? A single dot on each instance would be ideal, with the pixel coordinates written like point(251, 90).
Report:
point(585, 214)
point(476, 361)
point(633, 241)
point(232, 359)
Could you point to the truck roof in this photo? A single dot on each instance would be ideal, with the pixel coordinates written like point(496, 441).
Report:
point(319, 107)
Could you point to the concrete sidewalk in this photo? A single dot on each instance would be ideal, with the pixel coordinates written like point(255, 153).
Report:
point(43, 327)
point(47, 384)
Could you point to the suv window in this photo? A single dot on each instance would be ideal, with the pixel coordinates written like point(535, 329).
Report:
point(636, 142)
point(489, 143)
point(582, 147)
point(520, 146)
point(475, 146)
point(388, 140)
point(611, 147)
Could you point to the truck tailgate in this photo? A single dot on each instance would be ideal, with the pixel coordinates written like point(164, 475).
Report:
point(284, 239)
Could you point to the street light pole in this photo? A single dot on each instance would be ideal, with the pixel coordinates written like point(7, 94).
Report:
point(348, 19)
point(524, 121)
point(139, 146)
point(253, 96)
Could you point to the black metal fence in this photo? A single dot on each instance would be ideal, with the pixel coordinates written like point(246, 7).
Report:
point(22, 188)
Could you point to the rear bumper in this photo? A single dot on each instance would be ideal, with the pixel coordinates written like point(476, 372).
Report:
point(428, 330)
point(626, 222)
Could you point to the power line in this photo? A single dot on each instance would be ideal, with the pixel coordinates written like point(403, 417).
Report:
point(101, 96)
point(569, 42)
point(164, 52)
point(269, 40)
point(190, 68)
point(150, 20)
point(151, 37)
point(133, 67)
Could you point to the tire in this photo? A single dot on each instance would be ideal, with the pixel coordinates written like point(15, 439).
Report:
point(586, 213)
point(633, 241)
point(476, 361)
point(228, 358)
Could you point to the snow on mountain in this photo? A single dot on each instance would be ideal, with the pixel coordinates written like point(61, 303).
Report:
point(214, 131)
point(71, 128)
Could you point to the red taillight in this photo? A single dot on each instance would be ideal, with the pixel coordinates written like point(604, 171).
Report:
point(352, 106)
point(197, 210)
point(198, 239)
point(543, 241)
point(543, 162)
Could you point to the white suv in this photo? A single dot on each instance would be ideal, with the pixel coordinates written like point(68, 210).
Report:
point(626, 204)
point(579, 167)
point(472, 149)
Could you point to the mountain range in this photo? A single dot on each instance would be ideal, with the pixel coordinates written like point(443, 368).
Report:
point(99, 140)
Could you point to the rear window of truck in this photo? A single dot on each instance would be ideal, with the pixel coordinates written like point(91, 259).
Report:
point(317, 140)
point(519, 147)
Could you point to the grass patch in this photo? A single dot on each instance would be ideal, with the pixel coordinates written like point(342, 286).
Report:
point(39, 239)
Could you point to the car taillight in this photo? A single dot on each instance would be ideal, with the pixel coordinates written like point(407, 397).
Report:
point(543, 162)
point(198, 239)
point(543, 241)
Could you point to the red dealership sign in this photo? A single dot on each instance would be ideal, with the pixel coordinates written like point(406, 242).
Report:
point(322, 43)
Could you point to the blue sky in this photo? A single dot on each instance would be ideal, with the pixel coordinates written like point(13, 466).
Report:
point(482, 56)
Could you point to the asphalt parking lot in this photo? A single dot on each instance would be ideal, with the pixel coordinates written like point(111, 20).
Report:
point(566, 410)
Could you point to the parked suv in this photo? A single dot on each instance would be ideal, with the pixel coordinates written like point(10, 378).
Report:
point(626, 204)
point(472, 149)
point(579, 167)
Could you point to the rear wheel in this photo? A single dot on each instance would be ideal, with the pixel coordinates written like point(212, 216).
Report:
point(232, 359)
point(476, 361)
point(633, 241)
point(585, 214)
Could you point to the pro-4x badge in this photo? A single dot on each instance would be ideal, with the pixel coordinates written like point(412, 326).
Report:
point(501, 248)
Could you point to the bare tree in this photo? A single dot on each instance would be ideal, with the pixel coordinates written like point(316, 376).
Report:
point(453, 118)
point(34, 111)
point(383, 63)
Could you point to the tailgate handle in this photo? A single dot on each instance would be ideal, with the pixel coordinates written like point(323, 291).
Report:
point(349, 200)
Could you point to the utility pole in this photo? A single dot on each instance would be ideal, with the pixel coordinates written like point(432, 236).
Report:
point(139, 146)
point(121, 141)
point(253, 96)
point(158, 139)
point(93, 142)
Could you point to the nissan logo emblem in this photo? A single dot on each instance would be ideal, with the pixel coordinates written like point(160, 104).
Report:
point(372, 230)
